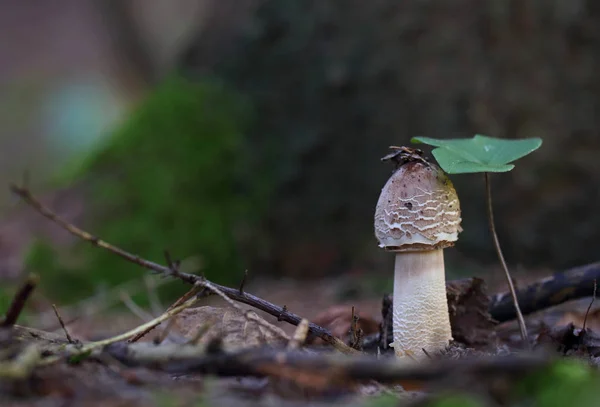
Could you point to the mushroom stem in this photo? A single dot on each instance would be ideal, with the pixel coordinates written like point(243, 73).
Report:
point(420, 314)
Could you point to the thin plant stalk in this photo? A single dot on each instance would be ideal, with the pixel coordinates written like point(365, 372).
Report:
point(511, 287)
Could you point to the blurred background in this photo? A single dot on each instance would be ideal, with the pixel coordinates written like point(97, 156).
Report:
point(247, 135)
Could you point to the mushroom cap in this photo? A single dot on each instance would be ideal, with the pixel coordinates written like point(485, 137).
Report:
point(418, 209)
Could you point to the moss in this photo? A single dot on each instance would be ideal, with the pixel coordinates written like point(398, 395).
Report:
point(174, 176)
point(567, 382)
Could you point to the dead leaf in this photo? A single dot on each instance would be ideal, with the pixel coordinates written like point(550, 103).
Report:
point(227, 324)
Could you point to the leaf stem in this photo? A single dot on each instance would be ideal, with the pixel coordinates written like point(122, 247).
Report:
point(490, 213)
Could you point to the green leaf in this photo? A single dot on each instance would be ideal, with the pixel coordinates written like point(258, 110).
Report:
point(78, 358)
point(479, 154)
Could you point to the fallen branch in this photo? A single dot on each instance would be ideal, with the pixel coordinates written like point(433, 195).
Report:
point(474, 314)
point(235, 294)
point(557, 289)
point(320, 368)
point(548, 292)
point(48, 343)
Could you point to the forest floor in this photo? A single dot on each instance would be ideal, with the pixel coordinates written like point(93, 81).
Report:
point(109, 380)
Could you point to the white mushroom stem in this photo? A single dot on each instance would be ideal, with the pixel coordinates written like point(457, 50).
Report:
point(420, 314)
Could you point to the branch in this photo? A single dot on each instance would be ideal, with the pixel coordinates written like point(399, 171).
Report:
point(235, 294)
point(249, 317)
point(26, 196)
point(557, 289)
point(317, 368)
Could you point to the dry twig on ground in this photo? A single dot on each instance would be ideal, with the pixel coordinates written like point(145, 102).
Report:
point(247, 314)
point(62, 324)
point(185, 297)
point(239, 295)
point(78, 350)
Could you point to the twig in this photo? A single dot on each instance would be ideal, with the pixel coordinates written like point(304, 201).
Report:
point(283, 310)
point(19, 301)
point(62, 324)
point(511, 287)
point(26, 196)
point(90, 346)
point(173, 265)
point(232, 293)
point(355, 332)
point(168, 314)
point(247, 314)
point(243, 282)
point(589, 306)
point(189, 294)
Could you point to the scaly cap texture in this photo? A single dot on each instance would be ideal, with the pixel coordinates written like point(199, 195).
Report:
point(418, 209)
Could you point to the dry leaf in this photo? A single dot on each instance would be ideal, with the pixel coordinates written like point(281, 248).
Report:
point(228, 324)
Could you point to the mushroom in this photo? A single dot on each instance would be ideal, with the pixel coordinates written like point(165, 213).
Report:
point(417, 216)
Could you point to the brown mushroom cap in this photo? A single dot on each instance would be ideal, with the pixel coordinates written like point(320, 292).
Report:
point(418, 209)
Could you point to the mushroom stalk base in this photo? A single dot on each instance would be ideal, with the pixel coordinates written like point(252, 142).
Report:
point(420, 314)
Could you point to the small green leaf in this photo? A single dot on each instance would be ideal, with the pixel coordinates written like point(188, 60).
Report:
point(479, 154)
point(79, 357)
